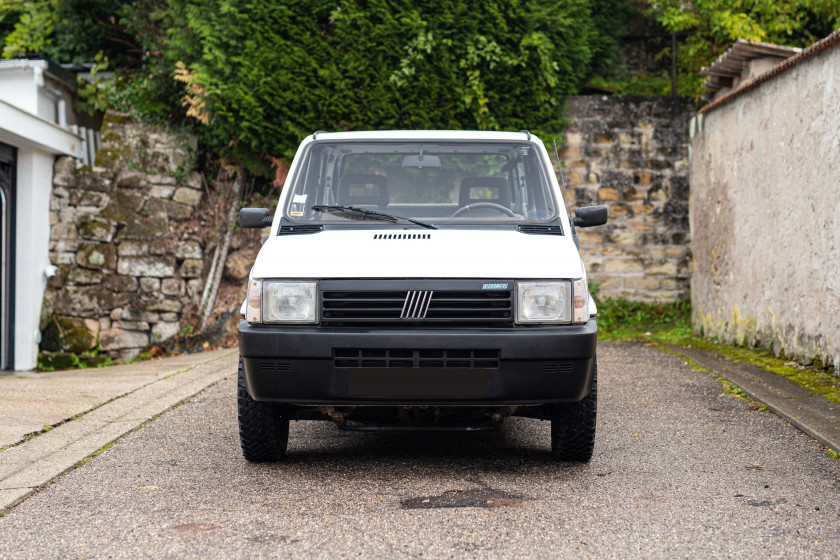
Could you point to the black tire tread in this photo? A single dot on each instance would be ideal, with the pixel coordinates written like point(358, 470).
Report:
point(573, 427)
point(263, 431)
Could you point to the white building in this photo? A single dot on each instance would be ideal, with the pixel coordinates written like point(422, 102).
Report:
point(37, 124)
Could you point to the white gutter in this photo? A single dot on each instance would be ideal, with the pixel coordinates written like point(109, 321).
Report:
point(23, 129)
point(22, 64)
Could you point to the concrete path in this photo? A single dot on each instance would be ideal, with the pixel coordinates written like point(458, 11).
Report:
point(89, 409)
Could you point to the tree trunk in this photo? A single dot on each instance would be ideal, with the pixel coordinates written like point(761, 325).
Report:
point(218, 269)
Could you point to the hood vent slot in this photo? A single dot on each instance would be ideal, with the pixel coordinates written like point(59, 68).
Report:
point(540, 229)
point(402, 236)
point(308, 228)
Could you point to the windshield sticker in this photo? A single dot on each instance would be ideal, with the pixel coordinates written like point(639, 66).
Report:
point(298, 204)
point(525, 150)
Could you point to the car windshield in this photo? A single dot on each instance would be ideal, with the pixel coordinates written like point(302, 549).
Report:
point(435, 182)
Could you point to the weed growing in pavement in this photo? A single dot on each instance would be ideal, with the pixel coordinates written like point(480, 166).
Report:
point(99, 451)
point(734, 391)
point(810, 378)
point(670, 323)
point(729, 388)
point(138, 358)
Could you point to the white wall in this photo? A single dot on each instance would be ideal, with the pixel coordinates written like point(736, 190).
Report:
point(765, 214)
point(18, 86)
point(28, 115)
point(34, 182)
point(48, 105)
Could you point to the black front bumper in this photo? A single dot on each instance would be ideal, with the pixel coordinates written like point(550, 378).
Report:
point(307, 365)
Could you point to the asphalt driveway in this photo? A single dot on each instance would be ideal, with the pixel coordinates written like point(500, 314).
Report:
point(680, 470)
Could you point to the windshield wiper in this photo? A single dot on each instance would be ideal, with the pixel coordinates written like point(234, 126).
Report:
point(357, 212)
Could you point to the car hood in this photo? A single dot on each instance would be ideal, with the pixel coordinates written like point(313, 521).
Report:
point(414, 253)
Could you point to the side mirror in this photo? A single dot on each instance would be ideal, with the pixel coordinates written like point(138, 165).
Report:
point(589, 216)
point(254, 218)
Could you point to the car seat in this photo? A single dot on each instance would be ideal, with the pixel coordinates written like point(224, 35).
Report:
point(363, 190)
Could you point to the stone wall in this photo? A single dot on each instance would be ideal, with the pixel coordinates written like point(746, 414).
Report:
point(129, 243)
point(631, 154)
point(765, 213)
point(127, 249)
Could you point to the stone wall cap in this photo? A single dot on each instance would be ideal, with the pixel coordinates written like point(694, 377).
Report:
point(803, 54)
point(731, 61)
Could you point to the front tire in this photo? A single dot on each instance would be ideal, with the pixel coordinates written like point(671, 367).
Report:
point(263, 431)
point(573, 427)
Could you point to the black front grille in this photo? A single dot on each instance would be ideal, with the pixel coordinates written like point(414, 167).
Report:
point(301, 228)
point(540, 229)
point(426, 304)
point(396, 358)
point(275, 367)
point(557, 368)
point(405, 236)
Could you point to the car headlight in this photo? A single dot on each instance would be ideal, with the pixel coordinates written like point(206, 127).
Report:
point(271, 301)
point(543, 302)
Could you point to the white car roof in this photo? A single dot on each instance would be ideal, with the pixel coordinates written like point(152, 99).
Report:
point(423, 135)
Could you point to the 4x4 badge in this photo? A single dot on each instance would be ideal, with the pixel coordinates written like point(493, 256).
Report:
point(416, 304)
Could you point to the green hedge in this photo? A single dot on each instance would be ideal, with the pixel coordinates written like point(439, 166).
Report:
point(262, 75)
point(256, 76)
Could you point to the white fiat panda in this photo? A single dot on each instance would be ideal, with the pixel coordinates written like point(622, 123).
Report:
point(419, 279)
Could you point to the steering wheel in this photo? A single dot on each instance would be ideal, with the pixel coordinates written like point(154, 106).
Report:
point(492, 205)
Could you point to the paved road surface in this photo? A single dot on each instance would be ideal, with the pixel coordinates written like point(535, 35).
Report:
point(679, 471)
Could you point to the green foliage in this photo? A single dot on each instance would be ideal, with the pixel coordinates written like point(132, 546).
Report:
point(622, 319)
point(258, 77)
point(64, 30)
point(624, 81)
point(255, 77)
point(709, 27)
point(28, 25)
point(50, 361)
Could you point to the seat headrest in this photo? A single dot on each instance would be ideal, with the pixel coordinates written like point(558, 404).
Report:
point(363, 189)
point(485, 189)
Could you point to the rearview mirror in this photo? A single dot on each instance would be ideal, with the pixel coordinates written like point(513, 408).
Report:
point(589, 216)
point(254, 218)
point(421, 161)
